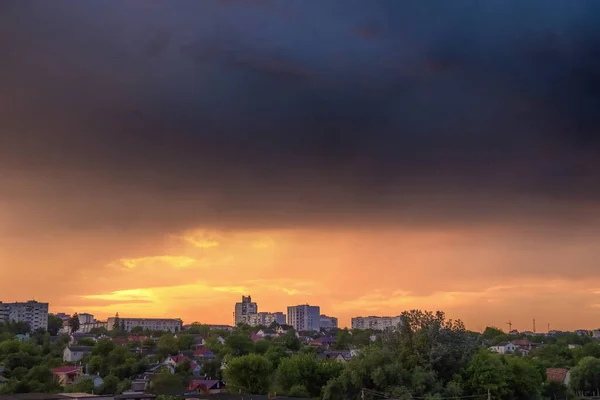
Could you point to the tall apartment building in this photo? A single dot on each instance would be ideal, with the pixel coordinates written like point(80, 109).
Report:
point(375, 323)
point(304, 317)
point(85, 318)
point(328, 322)
point(153, 324)
point(244, 309)
point(34, 313)
point(264, 319)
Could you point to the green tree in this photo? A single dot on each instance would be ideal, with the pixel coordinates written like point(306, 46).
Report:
point(166, 383)
point(166, 346)
point(116, 324)
point(249, 374)
point(110, 385)
point(492, 332)
point(238, 344)
point(343, 339)
point(184, 342)
point(85, 385)
point(305, 370)
point(212, 369)
point(55, 324)
point(487, 371)
point(585, 377)
point(74, 323)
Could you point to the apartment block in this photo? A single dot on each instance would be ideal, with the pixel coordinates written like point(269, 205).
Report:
point(34, 313)
point(376, 323)
point(264, 319)
point(152, 324)
point(328, 322)
point(243, 309)
point(304, 317)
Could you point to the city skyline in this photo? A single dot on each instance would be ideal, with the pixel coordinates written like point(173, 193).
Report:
point(162, 159)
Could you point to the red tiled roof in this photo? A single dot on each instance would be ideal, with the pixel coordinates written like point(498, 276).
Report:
point(67, 369)
point(137, 338)
point(201, 351)
point(556, 374)
point(205, 384)
point(120, 340)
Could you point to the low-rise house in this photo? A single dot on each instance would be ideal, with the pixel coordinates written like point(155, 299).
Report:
point(3, 380)
point(263, 333)
point(84, 396)
point(173, 361)
point(283, 329)
point(560, 375)
point(98, 381)
point(573, 346)
point(503, 348)
point(596, 333)
point(72, 354)
point(202, 353)
point(582, 332)
point(525, 346)
point(66, 375)
point(205, 386)
point(136, 338)
point(339, 356)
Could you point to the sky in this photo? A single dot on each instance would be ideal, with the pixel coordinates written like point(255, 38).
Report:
point(166, 158)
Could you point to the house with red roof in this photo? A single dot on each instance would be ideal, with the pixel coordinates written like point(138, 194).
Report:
point(204, 353)
point(134, 338)
point(173, 361)
point(560, 375)
point(205, 386)
point(67, 375)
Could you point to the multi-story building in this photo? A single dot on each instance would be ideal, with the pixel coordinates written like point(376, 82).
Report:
point(376, 323)
point(85, 318)
point(328, 322)
point(264, 319)
point(34, 313)
point(243, 309)
point(152, 324)
point(304, 317)
point(64, 316)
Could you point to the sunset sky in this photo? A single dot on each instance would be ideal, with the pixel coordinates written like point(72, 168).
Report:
point(164, 158)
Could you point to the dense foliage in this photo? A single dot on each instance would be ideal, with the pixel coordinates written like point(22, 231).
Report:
point(427, 357)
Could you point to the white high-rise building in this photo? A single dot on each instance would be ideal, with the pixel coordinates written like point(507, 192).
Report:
point(34, 313)
point(85, 318)
point(376, 323)
point(304, 317)
point(328, 322)
point(244, 309)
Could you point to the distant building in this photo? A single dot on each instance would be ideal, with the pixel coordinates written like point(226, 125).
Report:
point(304, 317)
point(376, 323)
point(72, 354)
point(152, 324)
point(243, 309)
point(33, 313)
point(503, 348)
point(85, 318)
point(328, 322)
point(264, 319)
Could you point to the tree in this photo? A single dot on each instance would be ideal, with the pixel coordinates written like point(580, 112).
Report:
point(185, 342)
point(74, 323)
point(486, 371)
point(116, 323)
point(491, 332)
point(306, 371)
point(212, 369)
point(585, 377)
point(55, 324)
point(238, 344)
point(166, 346)
point(249, 374)
point(166, 383)
point(110, 385)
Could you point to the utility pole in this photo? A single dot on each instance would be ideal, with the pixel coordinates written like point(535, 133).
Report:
point(534, 325)
point(548, 327)
point(489, 395)
point(509, 323)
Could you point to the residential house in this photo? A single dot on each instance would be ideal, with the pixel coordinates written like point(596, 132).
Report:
point(560, 375)
point(98, 381)
point(525, 346)
point(173, 361)
point(22, 337)
point(205, 386)
point(325, 342)
point(136, 338)
point(596, 333)
point(76, 337)
point(582, 332)
point(84, 396)
point(73, 354)
point(263, 333)
point(283, 329)
point(3, 380)
point(66, 375)
point(220, 340)
point(514, 332)
point(503, 348)
point(202, 353)
point(339, 356)
point(574, 346)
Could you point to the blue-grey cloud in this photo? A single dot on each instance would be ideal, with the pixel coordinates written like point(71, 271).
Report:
point(271, 113)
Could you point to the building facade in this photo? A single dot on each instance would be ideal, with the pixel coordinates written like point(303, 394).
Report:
point(304, 317)
point(152, 324)
point(243, 309)
point(85, 318)
point(376, 323)
point(34, 313)
point(328, 322)
point(264, 319)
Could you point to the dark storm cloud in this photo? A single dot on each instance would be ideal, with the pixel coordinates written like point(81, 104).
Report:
point(215, 112)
